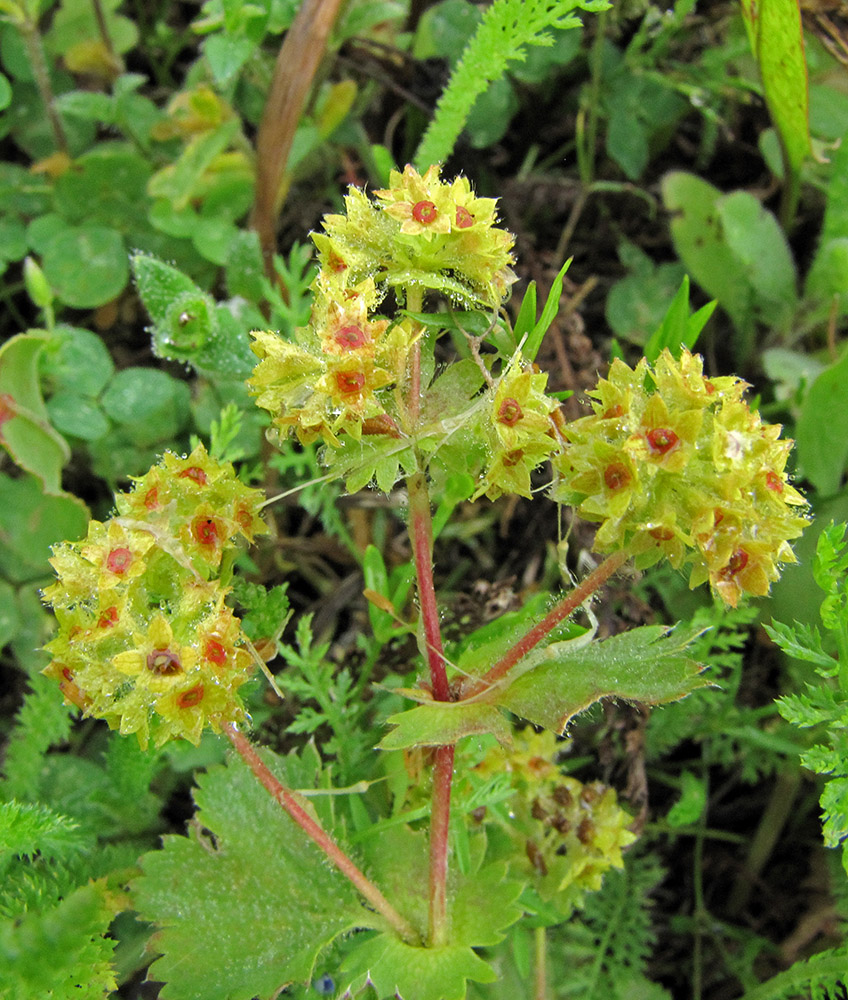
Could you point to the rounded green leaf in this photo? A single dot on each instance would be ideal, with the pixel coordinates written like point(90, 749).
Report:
point(108, 187)
point(86, 265)
point(77, 360)
point(152, 405)
point(77, 416)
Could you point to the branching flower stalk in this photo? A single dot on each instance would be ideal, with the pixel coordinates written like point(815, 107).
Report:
point(670, 464)
point(298, 814)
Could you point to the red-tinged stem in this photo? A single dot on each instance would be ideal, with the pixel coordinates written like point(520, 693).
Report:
point(420, 530)
point(558, 613)
point(287, 800)
point(439, 829)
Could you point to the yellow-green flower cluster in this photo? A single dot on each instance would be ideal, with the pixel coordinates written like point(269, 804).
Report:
point(145, 639)
point(423, 232)
point(570, 833)
point(675, 464)
point(520, 429)
point(333, 380)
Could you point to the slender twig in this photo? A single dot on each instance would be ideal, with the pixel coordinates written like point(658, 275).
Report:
point(35, 50)
point(105, 36)
point(558, 613)
point(287, 800)
point(297, 63)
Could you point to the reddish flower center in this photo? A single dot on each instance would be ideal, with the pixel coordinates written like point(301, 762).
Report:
point(616, 476)
point(718, 516)
point(709, 387)
point(510, 412)
point(513, 457)
point(738, 561)
point(151, 498)
point(205, 530)
point(661, 439)
point(164, 663)
point(195, 474)
point(424, 212)
point(108, 618)
point(214, 652)
point(464, 218)
point(335, 263)
point(244, 519)
point(66, 673)
point(351, 337)
point(350, 382)
point(118, 561)
point(613, 411)
point(774, 482)
point(661, 534)
point(190, 698)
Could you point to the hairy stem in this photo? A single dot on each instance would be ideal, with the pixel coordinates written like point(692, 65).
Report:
point(420, 529)
point(287, 800)
point(558, 613)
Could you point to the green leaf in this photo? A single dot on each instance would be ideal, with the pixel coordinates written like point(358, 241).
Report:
point(151, 404)
point(678, 329)
point(490, 115)
point(438, 723)
point(757, 242)
point(30, 829)
point(699, 240)
point(549, 311)
point(693, 799)
point(86, 265)
point(803, 642)
point(107, 187)
point(31, 522)
point(72, 935)
point(248, 909)
point(774, 28)
point(77, 416)
point(75, 359)
point(25, 431)
point(506, 30)
point(822, 430)
point(180, 181)
point(646, 664)
point(409, 973)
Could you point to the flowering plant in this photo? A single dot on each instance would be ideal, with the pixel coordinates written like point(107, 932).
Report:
point(671, 463)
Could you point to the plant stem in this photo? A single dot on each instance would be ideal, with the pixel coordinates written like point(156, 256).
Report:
point(287, 800)
point(297, 62)
point(35, 51)
point(558, 613)
point(540, 990)
point(420, 530)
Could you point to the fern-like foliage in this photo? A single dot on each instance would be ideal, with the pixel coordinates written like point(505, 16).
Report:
point(606, 947)
point(732, 735)
point(817, 977)
point(27, 830)
point(824, 706)
point(506, 30)
point(42, 721)
point(61, 951)
point(329, 698)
